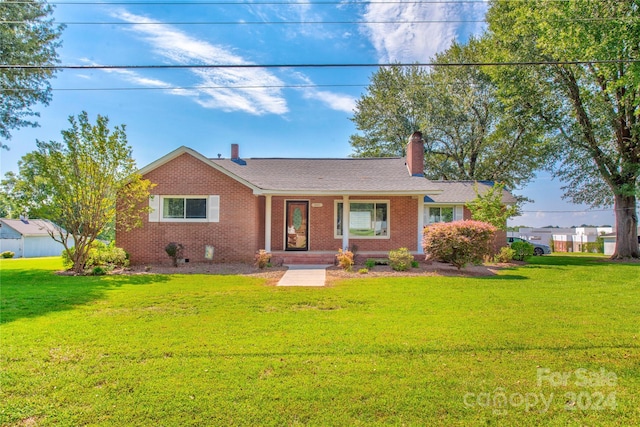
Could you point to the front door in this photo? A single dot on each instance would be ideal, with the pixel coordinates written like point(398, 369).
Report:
point(297, 225)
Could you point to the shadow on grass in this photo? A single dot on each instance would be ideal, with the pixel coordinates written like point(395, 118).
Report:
point(504, 277)
point(26, 293)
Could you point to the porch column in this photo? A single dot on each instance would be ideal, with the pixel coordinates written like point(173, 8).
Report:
point(420, 222)
point(267, 223)
point(345, 222)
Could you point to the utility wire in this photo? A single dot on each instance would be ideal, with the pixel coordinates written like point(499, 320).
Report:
point(422, 21)
point(334, 65)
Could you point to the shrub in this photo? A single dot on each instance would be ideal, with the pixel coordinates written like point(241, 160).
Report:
point(263, 259)
point(459, 242)
point(174, 250)
point(98, 271)
point(522, 250)
point(363, 271)
point(7, 254)
point(505, 255)
point(400, 259)
point(99, 255)
point(415, 264)
point(107, 255)
point(345, 259)
point(370, 263)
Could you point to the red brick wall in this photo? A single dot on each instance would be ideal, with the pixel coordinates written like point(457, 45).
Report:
point(403, 224)
point(236, 237)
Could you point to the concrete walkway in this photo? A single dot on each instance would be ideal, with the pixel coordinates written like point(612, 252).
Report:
point(304, 275)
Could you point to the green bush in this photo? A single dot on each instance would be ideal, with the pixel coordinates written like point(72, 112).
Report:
point(370, 263)
point(100, 255)
point(174, 250)
point(400, 259)
point(98, 271)
point(505, 255)
point(458, 242)
point(7, 254)
point(522, 250)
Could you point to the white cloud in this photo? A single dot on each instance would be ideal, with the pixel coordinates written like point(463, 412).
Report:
point(335, 101)
point(252, 90)
point(413, 41)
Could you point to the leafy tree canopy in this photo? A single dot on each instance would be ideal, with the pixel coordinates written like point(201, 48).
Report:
point(77, 184)
point(30, 39)
point(459, 114)
point(590, 109)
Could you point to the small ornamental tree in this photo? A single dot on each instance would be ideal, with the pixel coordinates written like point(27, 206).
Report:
point(459, 242)
point(77, 183)
point(488, 207)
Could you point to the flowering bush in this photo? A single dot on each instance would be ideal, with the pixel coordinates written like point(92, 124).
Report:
point(345, 259)
point(401, 259)
point(459, 242)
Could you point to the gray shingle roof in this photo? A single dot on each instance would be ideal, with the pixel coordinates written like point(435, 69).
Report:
point(463, 191)
point(30, 227)
point(352, 175)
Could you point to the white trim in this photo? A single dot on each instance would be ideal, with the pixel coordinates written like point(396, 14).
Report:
point(182, 150)
point(420, 224)
point(182, 196)
point(154, 208)
point(458, 211)
point(267, 223)
point(346, 217)
point(213, 210)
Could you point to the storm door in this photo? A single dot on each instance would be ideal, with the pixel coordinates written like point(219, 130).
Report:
point(297, 225)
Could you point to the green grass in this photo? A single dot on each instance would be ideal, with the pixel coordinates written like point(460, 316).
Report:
point(227, 350)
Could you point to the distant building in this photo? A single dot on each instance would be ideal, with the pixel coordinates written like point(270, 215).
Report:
point(28, 238)
point(562, 239)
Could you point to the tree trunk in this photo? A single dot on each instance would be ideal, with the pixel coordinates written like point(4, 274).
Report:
point(626, 228)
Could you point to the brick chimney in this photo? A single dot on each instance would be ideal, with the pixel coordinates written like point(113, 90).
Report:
point(235, 155)
point(415, 154)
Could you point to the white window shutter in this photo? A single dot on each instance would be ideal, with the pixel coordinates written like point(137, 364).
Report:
point(214, 208)
point(154, 205)
point(459, 213)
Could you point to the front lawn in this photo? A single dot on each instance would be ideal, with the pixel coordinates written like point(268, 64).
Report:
point(555, 342)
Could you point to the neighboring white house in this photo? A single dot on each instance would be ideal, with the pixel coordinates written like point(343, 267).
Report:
point(28, 238)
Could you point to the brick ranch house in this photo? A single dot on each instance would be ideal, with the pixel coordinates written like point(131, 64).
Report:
point(297, 209)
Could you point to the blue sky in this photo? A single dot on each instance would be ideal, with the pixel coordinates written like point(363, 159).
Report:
point(270, 112)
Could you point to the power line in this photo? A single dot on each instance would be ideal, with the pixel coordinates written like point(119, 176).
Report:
point(423, 21)
point(334, 65)
point(451, 21)
point(244, 3)
point(269, 2)
point(292, 86)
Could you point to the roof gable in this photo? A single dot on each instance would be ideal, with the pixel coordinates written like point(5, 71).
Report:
point(30, 227)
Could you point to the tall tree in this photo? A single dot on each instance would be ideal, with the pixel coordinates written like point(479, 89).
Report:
point(77, 184)
point(459, 115)
point(28, 36)
point(585, 91)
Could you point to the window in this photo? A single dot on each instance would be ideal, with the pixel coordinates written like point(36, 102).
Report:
point(184, 208)
point(433, 214)
point(368, 220)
